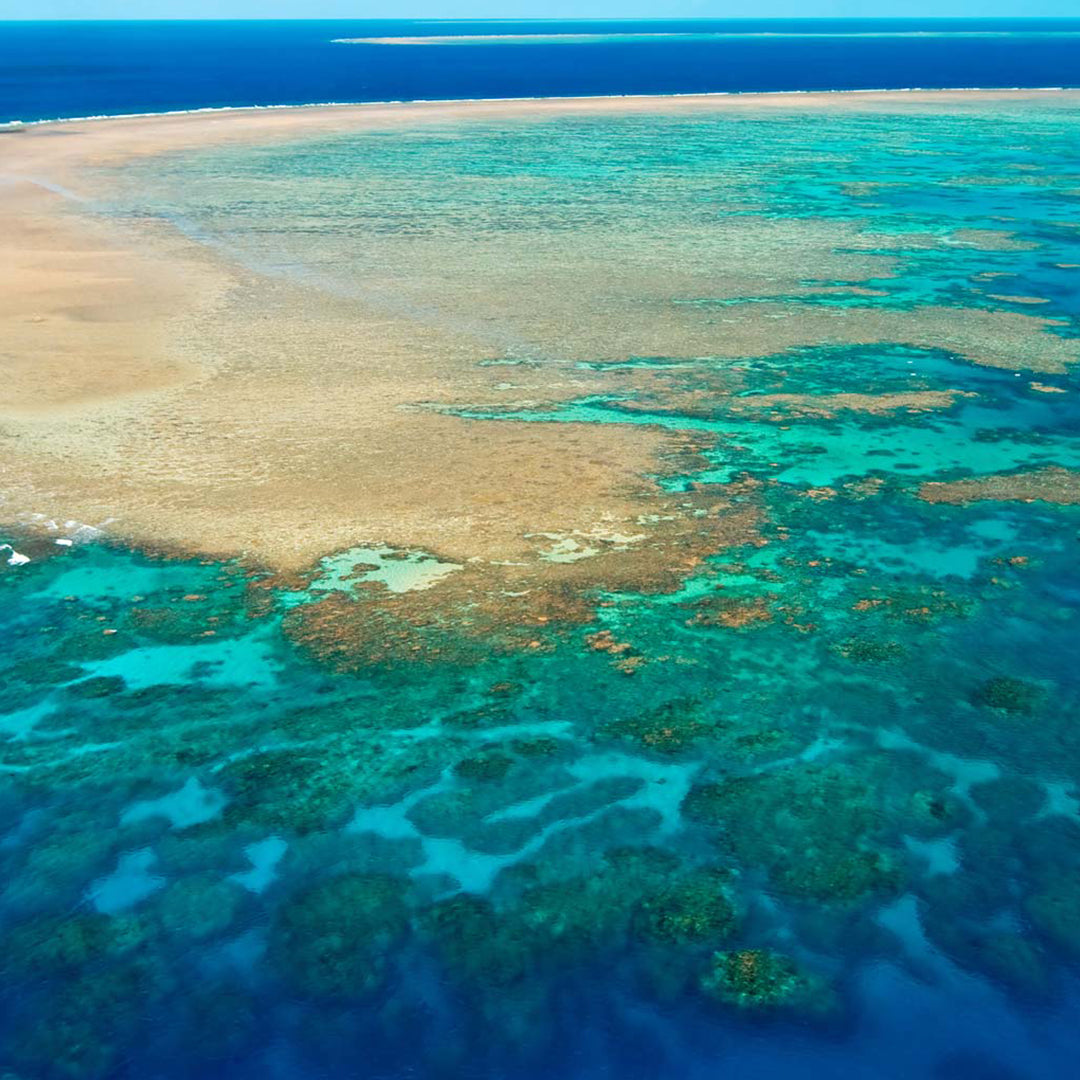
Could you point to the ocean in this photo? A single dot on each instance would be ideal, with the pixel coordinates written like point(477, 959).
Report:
point(50, 69)
point(776, 776)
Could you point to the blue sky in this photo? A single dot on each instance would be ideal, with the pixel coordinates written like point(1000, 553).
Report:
point(511, 9)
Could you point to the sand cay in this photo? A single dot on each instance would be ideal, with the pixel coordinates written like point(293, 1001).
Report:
point(196, 404)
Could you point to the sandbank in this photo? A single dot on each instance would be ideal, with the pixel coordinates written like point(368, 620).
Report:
point(193, 405)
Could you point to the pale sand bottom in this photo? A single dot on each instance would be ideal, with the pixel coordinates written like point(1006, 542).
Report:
point(199, 407)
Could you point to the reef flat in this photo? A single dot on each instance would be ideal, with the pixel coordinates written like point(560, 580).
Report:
point(542, 588)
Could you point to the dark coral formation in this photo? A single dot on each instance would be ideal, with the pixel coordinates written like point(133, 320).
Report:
point(812, 828)
point(759, 979)
point(693, 909)
point(1010, 695)
point(668, 728)
point(335, 939)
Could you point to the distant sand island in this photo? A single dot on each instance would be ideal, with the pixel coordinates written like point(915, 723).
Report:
point(450, 39)
point(704, 35)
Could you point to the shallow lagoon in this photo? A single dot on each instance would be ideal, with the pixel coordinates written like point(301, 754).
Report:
point(820, 797)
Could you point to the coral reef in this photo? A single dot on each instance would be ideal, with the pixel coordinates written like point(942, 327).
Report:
point(693, 909)
point(334, 939)
point(667, 729)
point(811, 827)
point(758, 979)
point(1008, 694)
point(1052, 911)
point(390, 794)
point(1051, 485)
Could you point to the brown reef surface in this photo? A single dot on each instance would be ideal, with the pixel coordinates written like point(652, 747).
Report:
point(1046, 485)
point(157, 389)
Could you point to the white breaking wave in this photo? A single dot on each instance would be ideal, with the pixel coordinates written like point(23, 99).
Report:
point(15, 558)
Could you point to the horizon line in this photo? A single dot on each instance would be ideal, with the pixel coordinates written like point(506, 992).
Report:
point(567, 19)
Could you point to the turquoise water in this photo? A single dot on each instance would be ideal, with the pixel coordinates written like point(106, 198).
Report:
point(820, 798)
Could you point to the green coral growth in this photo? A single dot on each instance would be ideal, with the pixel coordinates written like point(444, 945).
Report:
point(89, 1024)
point(297, 789)
point(760, 979)
point(49, 946)
point(333, 940)
point(476, 944)
point(871, 651)
point(811, 827)
point(1008, 694)
point(692, 910)
point(486, 765)
point(668, 729)
point(832, 875)
point(579, 918)
point(1053, 911)
point(541, 746)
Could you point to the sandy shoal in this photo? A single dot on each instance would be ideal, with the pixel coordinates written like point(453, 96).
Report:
point(152, 386)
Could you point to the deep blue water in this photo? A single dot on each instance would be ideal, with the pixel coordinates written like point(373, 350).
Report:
point(89, 68)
